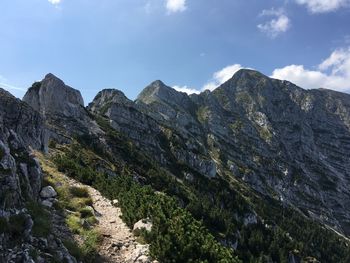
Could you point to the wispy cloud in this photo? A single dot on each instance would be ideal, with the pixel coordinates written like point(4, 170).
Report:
point(279, 23)
point(323, 6)
point(222, 76)
point(186, 90)
point(55, 2)
point(175, 6)
point(217, 79)
point(332, 73)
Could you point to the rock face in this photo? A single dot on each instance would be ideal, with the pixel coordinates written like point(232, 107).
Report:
point(285, 142)
point(62, 107)
point(21, 130)
point(52, 96)
point(126, 117)
point(158, 125)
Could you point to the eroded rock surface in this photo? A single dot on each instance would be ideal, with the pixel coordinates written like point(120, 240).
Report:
point(285, 142)
point(21, 130)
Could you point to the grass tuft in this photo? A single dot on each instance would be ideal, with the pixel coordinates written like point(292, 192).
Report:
point(81, 192)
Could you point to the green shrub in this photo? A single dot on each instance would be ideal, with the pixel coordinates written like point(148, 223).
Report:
point(74, 224)
point(42, 219)
point(87, 252)
point(212, 208)
point(91, 220)
point(86, 212)
point(92, 239)
point(139, 202)
point(74, 249)
point(52, 144)
point(79, 191)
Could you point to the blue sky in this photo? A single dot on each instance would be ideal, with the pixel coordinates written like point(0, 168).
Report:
point(189, 44)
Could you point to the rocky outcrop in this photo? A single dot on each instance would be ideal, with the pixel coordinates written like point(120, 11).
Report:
point(21, 130)
point(62, 107)
point(157, 124)
point(126, 117)
point(52, 96)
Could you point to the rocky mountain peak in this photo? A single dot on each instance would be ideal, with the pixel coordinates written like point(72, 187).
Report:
point(248, 73)
point(157, 91)
point(244, 80)
point(52, 96)
point(50, 76)
point(105, 98)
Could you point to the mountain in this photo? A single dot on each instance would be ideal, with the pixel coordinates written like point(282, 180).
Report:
point(285, 142)
point(255, 171)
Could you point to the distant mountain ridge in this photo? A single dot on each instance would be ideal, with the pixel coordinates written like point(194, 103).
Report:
point(286, 142)
point(237, 158)
point(282, 140)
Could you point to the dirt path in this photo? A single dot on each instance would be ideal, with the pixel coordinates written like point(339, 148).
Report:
point(119, 244)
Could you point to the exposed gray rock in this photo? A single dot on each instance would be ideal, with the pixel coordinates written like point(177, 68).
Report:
point(250, 219)
point(48, 192)
point(22, 130)
point(145, 224)
point(47, 203)
point(52, 96)
point(139, 254)
point(63, 109)
point(20, 123)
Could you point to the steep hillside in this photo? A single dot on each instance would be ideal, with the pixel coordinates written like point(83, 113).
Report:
point(257, 169)
point(285, 142)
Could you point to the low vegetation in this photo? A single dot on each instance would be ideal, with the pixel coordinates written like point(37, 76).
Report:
point(42, 219)
point(75, 203)
point(209, 214)
point(176, 236)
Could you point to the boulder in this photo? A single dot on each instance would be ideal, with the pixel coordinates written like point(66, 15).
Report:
point(48, 192)
point(143, 224)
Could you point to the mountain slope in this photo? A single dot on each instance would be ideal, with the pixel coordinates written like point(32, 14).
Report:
point(286, 142)
point(256, 160)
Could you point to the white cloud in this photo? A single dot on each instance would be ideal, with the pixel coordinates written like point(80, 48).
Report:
point(280, 22)
point(222, 76)
point(55, 2)
point(332, 73)
point(186, 90)
point(218, 78)
point(323, 6)
point(174, 6)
